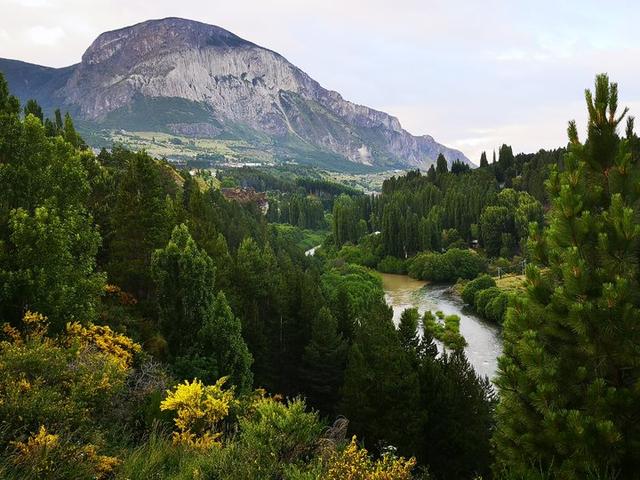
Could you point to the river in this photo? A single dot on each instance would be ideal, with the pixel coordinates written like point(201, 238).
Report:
point(483, 338)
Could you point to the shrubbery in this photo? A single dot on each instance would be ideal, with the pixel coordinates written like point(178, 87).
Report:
point(486, 298)
point(481, 282)
point(392, 265)
point(58, 398)
point(446, 267)
point(444, 328)
point(359, 255)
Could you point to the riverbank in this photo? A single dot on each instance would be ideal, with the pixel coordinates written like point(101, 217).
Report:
point(484, 341)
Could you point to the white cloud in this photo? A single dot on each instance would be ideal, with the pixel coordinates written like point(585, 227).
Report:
point(48, 36)
point(33, 3)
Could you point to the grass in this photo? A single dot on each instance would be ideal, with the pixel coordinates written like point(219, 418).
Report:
point(159, 458)
point(510, 283)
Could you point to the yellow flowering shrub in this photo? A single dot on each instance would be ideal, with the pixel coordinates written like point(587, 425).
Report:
point(36, 442)
point(35, 325)
point(68, 383)
point(119, 347)
point(199, 409)
point(42, 455)
point(354, 463)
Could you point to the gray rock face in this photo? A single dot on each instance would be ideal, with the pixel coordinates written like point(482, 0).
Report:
point(240, 83)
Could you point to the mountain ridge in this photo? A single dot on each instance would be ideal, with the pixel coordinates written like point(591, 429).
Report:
point(235, 86)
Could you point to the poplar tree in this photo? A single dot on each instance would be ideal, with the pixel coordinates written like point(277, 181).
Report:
point(569, 378)
point(8, 103)
point(441, 165)
point(483, 160)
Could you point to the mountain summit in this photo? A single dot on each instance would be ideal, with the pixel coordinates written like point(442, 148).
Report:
point(191, 79)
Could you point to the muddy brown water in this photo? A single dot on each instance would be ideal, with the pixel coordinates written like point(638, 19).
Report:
point(483, 338)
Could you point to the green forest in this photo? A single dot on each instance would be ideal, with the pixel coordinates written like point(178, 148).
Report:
point(153, 328)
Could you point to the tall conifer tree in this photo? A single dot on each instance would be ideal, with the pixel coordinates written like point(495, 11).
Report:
point(570, 375)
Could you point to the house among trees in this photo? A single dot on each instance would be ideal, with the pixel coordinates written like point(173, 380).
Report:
point(246, 196)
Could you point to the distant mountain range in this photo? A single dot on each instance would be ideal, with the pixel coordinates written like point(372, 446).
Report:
point(196, 81)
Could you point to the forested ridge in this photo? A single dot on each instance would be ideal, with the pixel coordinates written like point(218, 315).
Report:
point(155, 329)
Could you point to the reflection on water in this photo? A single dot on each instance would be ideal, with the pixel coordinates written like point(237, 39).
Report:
point(483, 338)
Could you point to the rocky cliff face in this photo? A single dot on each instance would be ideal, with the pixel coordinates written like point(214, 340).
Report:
point(239, 83)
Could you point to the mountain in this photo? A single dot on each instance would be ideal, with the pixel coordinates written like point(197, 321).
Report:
point(199, 81)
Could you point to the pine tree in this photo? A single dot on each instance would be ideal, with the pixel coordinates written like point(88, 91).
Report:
point(381, 390)
point(139, 223)
point(220, 337)
point(431, 173)
point(458, 410)
point(441, 165)
point(8, 103)
point(58, 120)
point(408, 329)
point(184, 276)
point(69, 132)
point(483, 160)
point(323, 363)
point(570, 377)
point(32, 108)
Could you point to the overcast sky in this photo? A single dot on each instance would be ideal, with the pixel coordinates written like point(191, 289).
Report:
point(472, 74)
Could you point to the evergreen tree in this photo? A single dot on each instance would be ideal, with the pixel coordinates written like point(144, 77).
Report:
point(184, 276)
point(569, 375)
point(455, 445)
point(8, 103)
point(69, 132)
point(483, 160)
point(140, 222)
point(32, 108)
point(220, 337)
point(344, 220)
point(408, 329)
point(58, 120)
point(441, 165)
point(431, 173)
point(323, 363)
point(381, 390)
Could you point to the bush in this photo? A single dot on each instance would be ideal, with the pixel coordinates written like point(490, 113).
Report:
point(481, 282)
point(451, 336)
point(496, 309)
point(447, 267)
point(359, 255)
point(355, 463)
point(57, 398)
point(483, 297)
point(200, 410)
point(280, 433)
point(392, 265)
point(444, 328)
point(47, 455)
